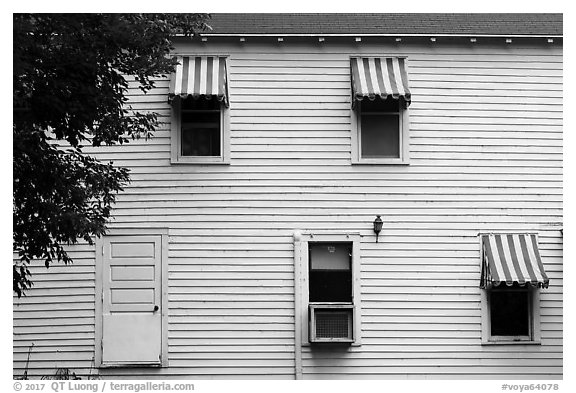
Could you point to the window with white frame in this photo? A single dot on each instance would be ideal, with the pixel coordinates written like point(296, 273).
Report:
point(512, 314)
point(329, 290)
point(512, 275)
point(200, 113)
point(381, 131)
point(200, 131)
point(380, 122)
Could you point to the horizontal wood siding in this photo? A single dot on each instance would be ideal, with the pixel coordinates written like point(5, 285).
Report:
point(486, 156)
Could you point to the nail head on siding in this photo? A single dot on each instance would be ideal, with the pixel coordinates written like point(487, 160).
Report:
point(508, 40)
point(358, 39)
point(398, 39)
point(473, 40)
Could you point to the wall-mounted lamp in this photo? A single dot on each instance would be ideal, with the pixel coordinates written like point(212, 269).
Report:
point(377, 226)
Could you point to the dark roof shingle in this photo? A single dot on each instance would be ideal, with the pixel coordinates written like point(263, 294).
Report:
point(387, 24)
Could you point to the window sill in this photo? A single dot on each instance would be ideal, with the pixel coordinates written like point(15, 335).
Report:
point(381, 162)
point(131, 365)
point(188, 161)
point(308, 344)
point(511, 343)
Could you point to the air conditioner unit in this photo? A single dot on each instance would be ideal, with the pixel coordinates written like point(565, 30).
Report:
point(331, 323)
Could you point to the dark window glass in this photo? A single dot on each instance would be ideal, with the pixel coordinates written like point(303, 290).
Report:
point(200, 141)
point(196, 117)
point(330, 275)
point(201, 135)
point(380, 136)
point(380, 105)
point(509, 313)
point(380, 128)
point(201, 103)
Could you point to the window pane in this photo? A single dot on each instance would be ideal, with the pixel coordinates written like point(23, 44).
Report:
point(330, 286)
point(330, 275)
point(200, 139)
point(201, 128)
point(380, 136)
point(509, 315)
point(330, 256)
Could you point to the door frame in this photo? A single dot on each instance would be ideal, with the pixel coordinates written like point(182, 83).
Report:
point(98, 305)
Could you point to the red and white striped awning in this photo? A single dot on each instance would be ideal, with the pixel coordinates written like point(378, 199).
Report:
point(511, 258)
point(379, 76)
point(200, 76)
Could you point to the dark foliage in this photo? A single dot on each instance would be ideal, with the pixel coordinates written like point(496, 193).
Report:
point(70, 83)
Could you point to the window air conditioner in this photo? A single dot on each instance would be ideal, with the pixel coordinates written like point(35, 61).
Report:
point(331, 323)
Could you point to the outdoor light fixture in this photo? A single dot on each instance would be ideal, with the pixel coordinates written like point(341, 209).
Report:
point(377, 226)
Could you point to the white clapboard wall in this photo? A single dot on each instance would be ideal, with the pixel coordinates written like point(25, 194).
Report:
point(486, 155)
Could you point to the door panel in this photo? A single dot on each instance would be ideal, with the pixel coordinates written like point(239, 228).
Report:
point(132, 273)
point(131, 338)
point(132, 304)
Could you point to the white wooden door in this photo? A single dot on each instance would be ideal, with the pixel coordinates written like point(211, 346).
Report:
point(131, 300)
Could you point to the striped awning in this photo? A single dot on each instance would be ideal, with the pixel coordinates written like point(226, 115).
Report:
point(511, 258)
point(200, 76)
point(379, 76)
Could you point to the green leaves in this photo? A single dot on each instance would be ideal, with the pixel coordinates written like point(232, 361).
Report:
point(70, 83)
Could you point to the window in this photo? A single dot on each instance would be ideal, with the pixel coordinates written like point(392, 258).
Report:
point(329, 292)
point(379, 129)
point(511, 315)
point(199, 130)
point(380, 132)
point(379, 117)
point(512, 273)
point(200, 114)
point(330, 272)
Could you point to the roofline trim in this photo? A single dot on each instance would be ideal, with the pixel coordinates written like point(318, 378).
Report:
point(376, 35)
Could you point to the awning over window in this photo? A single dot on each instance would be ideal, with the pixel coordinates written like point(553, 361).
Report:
point(511, 258)
point(379, 76)
point(200, 76)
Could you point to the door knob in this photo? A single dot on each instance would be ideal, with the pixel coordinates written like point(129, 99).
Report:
point(156, 308)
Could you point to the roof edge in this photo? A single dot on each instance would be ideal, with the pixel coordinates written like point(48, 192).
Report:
point(378, 35)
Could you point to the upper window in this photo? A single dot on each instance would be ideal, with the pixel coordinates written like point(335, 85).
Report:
point(512, 272)
point(379, 129)
point(200, 128)
point(200, 119)
point(380, 99)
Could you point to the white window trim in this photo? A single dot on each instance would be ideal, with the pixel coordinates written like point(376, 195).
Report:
point(301, 264)
point(176, 138)
point(98, 306)
point(404, 139)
